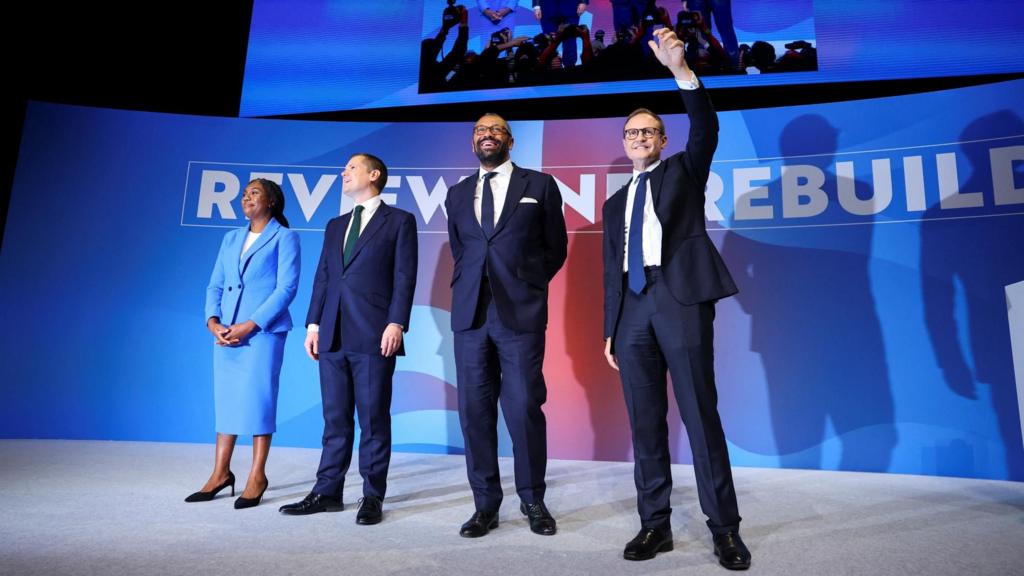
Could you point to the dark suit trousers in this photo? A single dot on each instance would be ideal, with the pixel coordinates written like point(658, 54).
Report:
point(496, 364)
point(351, 381)
point(656, 333)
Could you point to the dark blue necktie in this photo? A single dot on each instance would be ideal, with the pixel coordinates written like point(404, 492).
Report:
point(487, 205)
point(635, 255)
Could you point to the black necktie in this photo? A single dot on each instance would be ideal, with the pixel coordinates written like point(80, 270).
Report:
point(487, 206)
point(353, 234)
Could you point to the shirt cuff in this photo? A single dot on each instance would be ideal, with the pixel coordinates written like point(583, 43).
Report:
point(313, 329)
point(692, 84)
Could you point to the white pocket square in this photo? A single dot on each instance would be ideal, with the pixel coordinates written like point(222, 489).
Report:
point(528, 200)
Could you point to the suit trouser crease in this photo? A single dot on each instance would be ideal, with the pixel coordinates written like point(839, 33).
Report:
point(354, 383)
point(498, 365)
point(656, 333)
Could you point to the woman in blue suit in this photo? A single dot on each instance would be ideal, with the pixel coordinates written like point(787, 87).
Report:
point(253, 282)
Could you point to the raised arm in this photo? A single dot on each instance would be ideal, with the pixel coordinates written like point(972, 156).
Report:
point(703, 138)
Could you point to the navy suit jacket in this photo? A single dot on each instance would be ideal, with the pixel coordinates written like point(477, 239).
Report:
point(691, 266)
point(374, 290)
point(526, 251)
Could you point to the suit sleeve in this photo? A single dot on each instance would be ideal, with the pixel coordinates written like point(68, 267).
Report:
point(215, 288)
point(556, 240)
point(703, 138)
point(319, 296)
point(612, 277)
point(406, 258)
point(288, 264)
point(454, 243)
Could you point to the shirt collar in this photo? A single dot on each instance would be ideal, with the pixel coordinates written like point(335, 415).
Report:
point(505, 169)
point(648, 170)
point(371, 204)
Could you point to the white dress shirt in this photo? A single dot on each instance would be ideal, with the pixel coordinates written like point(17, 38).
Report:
point(369, 209)
point(250, 239)
point(499, 188)
point(652, 226)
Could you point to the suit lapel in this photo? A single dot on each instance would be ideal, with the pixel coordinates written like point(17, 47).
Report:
point(464, 204)
point(516, 189)
point(655, 178)
point(268, 232)
point(372, 227)
point(343, 227)
point(617, 227)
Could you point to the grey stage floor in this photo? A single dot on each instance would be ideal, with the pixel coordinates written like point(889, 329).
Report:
point(116, 508)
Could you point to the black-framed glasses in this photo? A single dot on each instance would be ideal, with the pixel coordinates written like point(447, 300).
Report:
point(633, 133)
point(493, 130)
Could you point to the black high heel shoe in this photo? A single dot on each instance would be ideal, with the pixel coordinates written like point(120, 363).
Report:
point(207, 496)
point(244, 502)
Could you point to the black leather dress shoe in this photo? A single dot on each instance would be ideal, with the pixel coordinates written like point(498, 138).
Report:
point(541, 521)
point(647, 544)
point(312, 504)
point(479, 524)
point(731, 551)
point(370, 511)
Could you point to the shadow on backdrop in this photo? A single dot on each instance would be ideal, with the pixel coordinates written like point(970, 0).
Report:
point(959, 264)
point(814, 320)
point(584, 327)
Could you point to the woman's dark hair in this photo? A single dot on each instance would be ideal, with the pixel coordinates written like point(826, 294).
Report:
point(276, 196)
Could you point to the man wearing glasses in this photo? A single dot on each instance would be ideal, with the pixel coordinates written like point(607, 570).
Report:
point(508, 240)
point(662, 277)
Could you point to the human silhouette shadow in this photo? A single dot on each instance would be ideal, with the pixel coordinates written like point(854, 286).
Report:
point(584, 328)
point(814, 319)
point(441, 299)
point(980, 256)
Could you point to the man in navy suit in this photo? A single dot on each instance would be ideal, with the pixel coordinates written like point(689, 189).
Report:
point(362, 299)
point(508, 240)
point(555, 13)
point(662, 276)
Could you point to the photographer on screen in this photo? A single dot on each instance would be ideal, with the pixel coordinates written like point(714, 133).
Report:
point(555, 13)
point(496, 15)
point(704, 53)
point(721, 13)
point(434, 73)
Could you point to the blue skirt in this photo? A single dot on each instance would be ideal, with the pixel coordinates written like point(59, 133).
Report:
point(245, 384)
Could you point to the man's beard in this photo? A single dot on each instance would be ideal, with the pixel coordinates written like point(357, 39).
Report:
point(493, 157)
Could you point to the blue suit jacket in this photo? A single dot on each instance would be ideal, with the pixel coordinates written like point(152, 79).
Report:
point(690, 264)
point(260, 285)
point(526, 251)
point(374, 290)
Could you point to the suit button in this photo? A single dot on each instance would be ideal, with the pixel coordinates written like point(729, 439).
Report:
point(229, 288)
point(239, 286)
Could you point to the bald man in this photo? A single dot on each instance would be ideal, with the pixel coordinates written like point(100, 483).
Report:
point(508, 240)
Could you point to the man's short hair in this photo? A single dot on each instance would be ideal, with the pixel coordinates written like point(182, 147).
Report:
point(639, 111)
point(374, 163)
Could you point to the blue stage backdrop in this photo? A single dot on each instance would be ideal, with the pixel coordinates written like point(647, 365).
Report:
point(871, 241)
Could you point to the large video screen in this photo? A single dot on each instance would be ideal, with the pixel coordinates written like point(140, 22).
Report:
point(322, 55)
